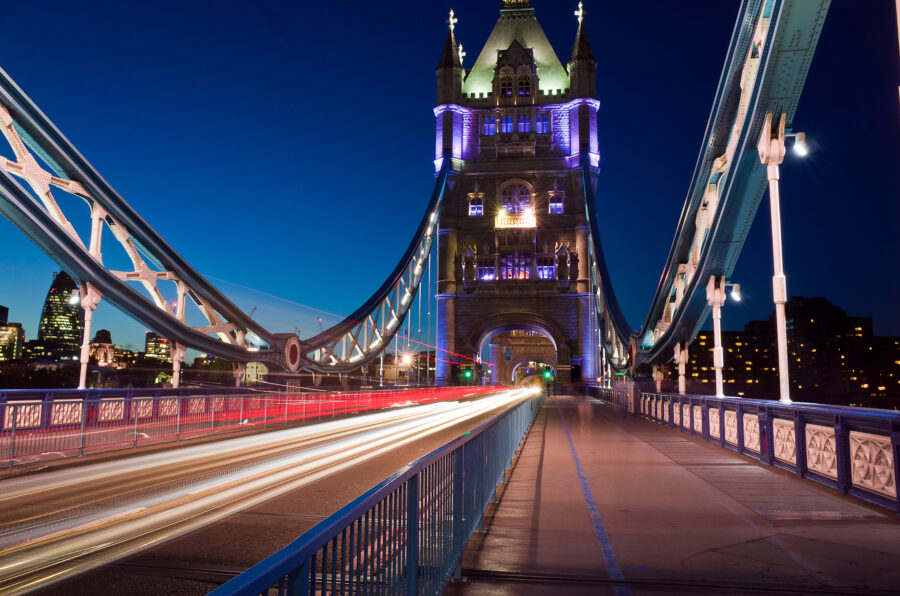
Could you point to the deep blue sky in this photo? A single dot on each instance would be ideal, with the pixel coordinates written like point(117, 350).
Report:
point(288, 146)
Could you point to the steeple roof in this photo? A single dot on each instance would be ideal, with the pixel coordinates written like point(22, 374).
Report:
point(450, 55)
point(582, 49)
point(517, 23)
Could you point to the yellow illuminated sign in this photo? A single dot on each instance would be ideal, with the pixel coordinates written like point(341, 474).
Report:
point(521, 220)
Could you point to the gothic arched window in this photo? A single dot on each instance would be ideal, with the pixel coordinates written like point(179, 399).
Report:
point(524, 86)
point(515, 198)
point(506, 87)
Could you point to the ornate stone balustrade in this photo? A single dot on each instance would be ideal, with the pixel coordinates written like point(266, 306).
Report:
point(855, 451)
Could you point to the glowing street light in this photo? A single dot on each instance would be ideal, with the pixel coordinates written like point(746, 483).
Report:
point(771, 153)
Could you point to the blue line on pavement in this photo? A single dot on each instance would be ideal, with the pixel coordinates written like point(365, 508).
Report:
point(609, 557)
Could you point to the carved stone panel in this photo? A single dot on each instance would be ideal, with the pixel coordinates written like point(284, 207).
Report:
point(698, 419)
point(821, 452)
point(111, 410)
point(676, 414)
point(785, 440)
point(66, 412)
point(873, 463)
point(686, 415)
point(751, 432)
point(731, 427)
point(714, 422)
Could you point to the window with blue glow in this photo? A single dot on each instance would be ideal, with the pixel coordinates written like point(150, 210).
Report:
point(515, 265)
point(486, 270)
point(490, 126)
point(556, 204)
point(506, 87)
point(476, 206)
point(542, 124)
point(515, 198)
point(524, 123)
point(524, 86)
point(506, 124)
point(546, 267)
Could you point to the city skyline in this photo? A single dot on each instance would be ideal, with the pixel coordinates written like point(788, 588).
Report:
point(177, 101)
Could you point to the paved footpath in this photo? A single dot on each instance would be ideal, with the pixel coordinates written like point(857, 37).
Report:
point(603, 502)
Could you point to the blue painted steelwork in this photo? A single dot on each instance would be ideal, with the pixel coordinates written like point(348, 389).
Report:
point(855, 451)
point(784, 57)
point(615, 334)
point(406, 535)
point(230, 332)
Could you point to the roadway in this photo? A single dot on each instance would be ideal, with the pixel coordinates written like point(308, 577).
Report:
point(189, 518)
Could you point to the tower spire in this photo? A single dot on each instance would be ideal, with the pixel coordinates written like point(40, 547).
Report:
point(449, 69)
point(451, 56)
point(582, 49)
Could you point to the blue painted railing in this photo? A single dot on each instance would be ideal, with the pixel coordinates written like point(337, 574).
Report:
point(855, 451)
point(407, 534)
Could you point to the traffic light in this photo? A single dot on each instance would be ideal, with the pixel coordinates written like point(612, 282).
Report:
point(548, 374)
point(467, 373)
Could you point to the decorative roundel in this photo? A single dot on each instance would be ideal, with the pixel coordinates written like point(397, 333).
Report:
point(292, 354)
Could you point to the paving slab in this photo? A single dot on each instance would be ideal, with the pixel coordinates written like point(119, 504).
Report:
point(601, 502)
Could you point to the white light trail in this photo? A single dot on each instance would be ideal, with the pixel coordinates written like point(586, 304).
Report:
point(36, 554)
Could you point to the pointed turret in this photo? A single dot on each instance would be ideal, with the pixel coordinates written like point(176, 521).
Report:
point(582, 65)
point(449, 70)
point(450, 56)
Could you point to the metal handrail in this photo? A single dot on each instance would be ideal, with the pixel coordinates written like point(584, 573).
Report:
point(406, 535)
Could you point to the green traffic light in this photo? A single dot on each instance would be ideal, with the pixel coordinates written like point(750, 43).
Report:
point(468, 374)
point(548, 374)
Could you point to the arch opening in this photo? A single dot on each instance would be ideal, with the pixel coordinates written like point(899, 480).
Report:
point(517, 353)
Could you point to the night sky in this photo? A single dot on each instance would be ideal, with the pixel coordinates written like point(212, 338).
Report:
point(288, 147)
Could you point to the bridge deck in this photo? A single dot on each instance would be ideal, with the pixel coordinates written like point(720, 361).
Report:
point(605, 502)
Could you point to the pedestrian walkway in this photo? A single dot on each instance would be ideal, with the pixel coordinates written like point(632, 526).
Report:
point(603, 502)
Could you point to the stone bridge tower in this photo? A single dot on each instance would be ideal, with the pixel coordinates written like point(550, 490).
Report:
point(513, 235)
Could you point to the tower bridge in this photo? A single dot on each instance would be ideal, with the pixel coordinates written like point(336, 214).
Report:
point(512, 222)
point(509, 251)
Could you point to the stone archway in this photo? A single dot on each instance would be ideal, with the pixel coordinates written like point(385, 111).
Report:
point(524, 360)
point(522, 337)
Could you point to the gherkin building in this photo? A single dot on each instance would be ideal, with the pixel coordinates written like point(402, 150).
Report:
point(62, 319)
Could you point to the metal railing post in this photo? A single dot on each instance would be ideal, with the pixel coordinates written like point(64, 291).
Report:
point(412, 535)
point(135, 435)
point(178, 399)
point(458, 513)
point(12, 444)
point(85, 408)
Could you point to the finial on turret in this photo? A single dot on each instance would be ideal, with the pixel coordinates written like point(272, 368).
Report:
point(452, 20)
point(580, 12)
point(461, 54)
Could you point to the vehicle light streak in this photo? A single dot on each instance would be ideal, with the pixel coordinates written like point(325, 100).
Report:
point(43, 550)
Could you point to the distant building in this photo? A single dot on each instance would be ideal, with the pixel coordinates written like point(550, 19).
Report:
point(12, 341)
point(4, 315)
point(832, 358)
point(157, 347)
point(125, 358)
point(102, 348)
point(61, 327)
point(254, 372)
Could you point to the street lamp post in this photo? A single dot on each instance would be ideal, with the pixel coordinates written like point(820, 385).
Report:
point(771, 153)
point(715, 296)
